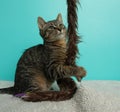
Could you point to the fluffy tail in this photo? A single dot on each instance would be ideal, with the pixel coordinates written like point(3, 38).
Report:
point(67, 90)
point(9, 90)
point(73, 38)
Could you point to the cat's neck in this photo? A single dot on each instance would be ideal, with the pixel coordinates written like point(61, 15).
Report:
point(61, 44)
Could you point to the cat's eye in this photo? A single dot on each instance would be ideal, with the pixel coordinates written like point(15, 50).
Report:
point(51, 28)
point(61, 26)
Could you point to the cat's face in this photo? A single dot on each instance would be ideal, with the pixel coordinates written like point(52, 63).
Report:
point(53, 30)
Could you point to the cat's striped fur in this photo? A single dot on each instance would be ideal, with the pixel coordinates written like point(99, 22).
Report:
point(41, 65)
point(73, 37)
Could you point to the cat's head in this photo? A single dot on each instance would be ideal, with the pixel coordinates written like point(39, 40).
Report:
point(52, 30)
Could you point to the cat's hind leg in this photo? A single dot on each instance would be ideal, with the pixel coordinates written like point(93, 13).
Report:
point(36, 81)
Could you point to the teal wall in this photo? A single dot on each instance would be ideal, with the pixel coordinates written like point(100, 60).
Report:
point(99, 25)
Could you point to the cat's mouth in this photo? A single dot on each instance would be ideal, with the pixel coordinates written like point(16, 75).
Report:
point(57, 37)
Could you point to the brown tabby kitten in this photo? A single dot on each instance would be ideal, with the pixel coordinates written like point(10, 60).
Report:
point(41, 65)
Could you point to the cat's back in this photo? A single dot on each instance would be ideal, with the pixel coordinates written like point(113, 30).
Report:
point(34, 49)
point(32, 55)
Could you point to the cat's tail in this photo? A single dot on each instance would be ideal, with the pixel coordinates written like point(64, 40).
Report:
point(67, 90)
point(73, 37)
point(9, 90)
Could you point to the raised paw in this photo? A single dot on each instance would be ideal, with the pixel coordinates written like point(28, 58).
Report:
point(81, 73)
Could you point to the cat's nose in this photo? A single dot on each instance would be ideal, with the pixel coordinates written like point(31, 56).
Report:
point(60, 29)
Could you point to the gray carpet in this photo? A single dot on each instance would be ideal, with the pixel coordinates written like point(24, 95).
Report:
point(91, 96)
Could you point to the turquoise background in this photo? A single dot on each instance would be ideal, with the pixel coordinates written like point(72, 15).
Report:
point(99, 25)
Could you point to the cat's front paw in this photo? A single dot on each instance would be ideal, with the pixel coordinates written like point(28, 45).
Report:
point(81, 72)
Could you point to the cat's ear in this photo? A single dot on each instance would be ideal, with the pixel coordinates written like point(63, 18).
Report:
point(59, 18)
point(41, 22)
